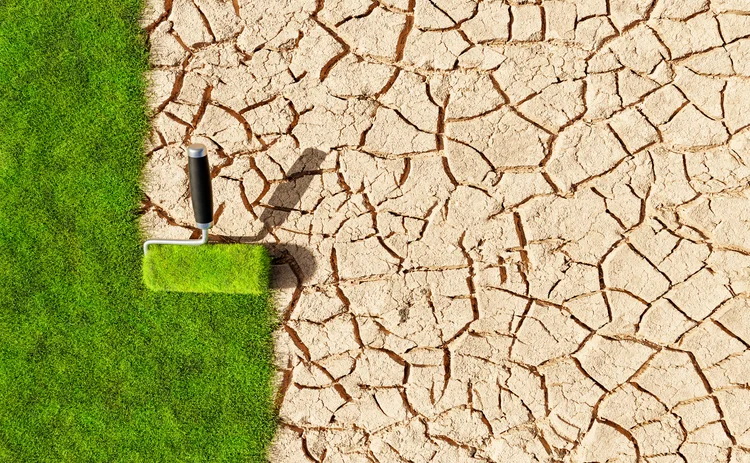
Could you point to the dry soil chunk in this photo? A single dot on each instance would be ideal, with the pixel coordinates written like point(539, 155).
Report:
point(221, 17)
point(586, 239)
point(560, 20)
point(739, 51)
point(602, 97)
point(391, 134)
point(626, 269)
point(629, 406)
point(434, 49)
point(582, 151)
point(734, 26)
point(288, 446)
point(625, 12)
point(376, 177)
point(697, 414)
point(685, 259)
point(363, 259)
point(368, 414)
point(571, 396)
point(409, 96)
point(470, 94)
point(375, 34)
point(314, 51)
point(335, 11)
point(736, 406)
point(546, 333)
point(626, 188)
point(672, 377)
point(611, 362)
point(737, 104)
point(355, 77)
point(661, 105)
point(734, 265)
point(710, 344)
point(517, 187)
point(734, 317)
point(671, 186)
point(605, 443)
point(312, 407)
point(426, 186)
point(165, 49)
point(505, 138)
point(276, 117)
point(591, 309)
point(709, 443)
point(461, 425)
point(716, 170)
point(458, 10)
point(530, 68)
point(276, 25)
point(259, 79)
point(725, 218)
point(633, 87)
point(663, 323)
point(409, 440)
point(700, 294)
point(152, 12)
point(679, 9)
point(188, 23)
point(161, 83)
point(690, 128)
point(704, 92)
point(376, 368)
point(730, 5)
point(554, 276)
point(226, 130)
point(490, 23)
point(634, 130)
point(586, 8)
point(527, 23)
point(639, 49)
point(481, 57)
point(660, 437)
point(468, 165)
point(427, 16)
point(335, 336)
point(317, 306)
point(591, 33)
point(556, 105)
point(518, 444)
point(712, 62)
point(167, 182)
point(333, 123)
point(235, 220)
point(692, 36)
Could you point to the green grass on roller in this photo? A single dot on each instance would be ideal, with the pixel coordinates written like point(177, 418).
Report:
point(209, 268)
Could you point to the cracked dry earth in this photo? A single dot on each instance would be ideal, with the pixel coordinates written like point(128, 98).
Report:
point(504, 232)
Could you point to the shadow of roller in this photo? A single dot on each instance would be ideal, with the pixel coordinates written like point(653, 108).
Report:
point(283, 201)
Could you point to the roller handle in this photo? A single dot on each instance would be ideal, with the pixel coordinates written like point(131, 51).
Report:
point(200, 186)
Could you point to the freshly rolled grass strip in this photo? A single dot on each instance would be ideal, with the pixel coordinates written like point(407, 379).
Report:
point(94, 367)
point(209, 268)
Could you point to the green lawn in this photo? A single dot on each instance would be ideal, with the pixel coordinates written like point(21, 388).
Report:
point(92, 366)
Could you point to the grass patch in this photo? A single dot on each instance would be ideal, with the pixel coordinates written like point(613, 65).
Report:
point(93, 367)
point(210, 268)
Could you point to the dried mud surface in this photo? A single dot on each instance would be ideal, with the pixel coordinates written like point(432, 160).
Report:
point(509, 232)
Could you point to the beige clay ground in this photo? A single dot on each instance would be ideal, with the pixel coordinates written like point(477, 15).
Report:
point(505, 233)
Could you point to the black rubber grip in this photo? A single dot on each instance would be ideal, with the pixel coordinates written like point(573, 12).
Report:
point(200, 189)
